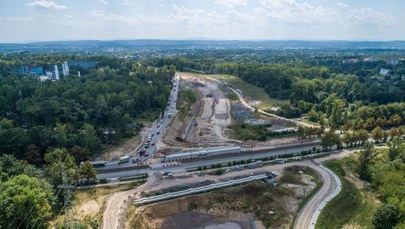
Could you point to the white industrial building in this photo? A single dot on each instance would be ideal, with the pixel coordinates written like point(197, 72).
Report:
point(65, 68)
point(206, 152)
point(56, 72)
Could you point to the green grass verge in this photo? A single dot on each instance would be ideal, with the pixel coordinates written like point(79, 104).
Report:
point(186, 98)
point(244, 131)
point(252, 91)
point(346, 206)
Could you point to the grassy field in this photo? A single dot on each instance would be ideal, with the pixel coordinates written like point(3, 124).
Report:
point(350, 208)
point(244, 131)
point(252, 91)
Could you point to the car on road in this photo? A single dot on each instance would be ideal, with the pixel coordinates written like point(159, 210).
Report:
point(157, 133)
point(153, 143)
point(146, 155)
point(153, 135)
point(158, 126)
point(280, 161)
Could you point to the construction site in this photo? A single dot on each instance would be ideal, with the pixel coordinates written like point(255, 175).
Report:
point(206, 121)
point(253, 205)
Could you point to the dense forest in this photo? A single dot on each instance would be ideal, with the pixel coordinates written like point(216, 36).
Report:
point(56, 124)
point(333, 90)
point(79, 114)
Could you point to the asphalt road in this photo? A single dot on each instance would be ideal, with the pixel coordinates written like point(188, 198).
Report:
point(304, 217)
point(116, 205)
point(158, 126)
point(182, 167)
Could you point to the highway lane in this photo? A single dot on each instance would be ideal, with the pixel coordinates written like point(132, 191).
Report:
point(116, 205)
point(183, 166)
point(303, 220)
point(158, 128)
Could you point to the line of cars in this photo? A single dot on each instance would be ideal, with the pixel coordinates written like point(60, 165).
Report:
point(148, 147)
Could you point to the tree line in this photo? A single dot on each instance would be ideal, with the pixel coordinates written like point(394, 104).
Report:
point(79, 114)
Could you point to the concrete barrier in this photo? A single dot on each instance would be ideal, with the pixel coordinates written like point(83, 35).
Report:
point(166, 196)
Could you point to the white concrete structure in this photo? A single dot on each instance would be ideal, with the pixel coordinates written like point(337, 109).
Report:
point(63, 70)
point(56, 72)
point(206, 152)
point(171, 195)
point(67, 67)
point(43, 78)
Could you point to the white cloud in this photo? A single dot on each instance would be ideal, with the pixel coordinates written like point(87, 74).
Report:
point(230, 3)
point(95, 13)
point(44, 4)
point(291, 11)
point(19, 19)
point(127, 2)
point(181, 16)
point(105, 2)
point(368, 16)
point(341, 4)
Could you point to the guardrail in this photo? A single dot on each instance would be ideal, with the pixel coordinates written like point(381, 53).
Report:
point(190, 191)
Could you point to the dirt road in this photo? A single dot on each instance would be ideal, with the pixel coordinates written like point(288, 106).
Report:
point(243, 101)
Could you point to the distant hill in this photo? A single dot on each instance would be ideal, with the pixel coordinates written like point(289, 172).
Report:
point(134, 45)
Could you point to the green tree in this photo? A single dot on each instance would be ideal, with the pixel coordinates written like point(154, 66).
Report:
point(301, 132)
point(87, 171)
point(313, 116)
point(361, 136)
point(395, 147)
point(89, 139)
point(25, 201)
point(377, 134)
point(367, 154)
point(329, 139)
point(348, 138)
point(386, 217)
point(6, 123)
point(11, 166)
point(14, 141)
point(61, 171)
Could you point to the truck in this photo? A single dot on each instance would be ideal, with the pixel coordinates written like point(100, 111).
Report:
point(124, 159)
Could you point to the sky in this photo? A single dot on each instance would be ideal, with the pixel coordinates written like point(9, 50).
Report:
point(49, 20)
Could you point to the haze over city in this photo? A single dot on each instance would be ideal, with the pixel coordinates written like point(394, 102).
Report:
point(46, 20)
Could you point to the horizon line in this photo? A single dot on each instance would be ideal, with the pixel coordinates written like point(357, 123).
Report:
point(197, 39)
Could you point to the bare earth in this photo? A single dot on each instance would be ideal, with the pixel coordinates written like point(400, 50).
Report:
point(127, 147)
point(225, 208)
